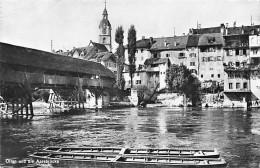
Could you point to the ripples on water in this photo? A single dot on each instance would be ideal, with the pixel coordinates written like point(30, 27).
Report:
point(234, 132)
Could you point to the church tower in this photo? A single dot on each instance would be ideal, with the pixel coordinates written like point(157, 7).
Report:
point(105, 31)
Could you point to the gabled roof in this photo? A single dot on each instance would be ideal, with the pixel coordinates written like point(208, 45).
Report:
point(243, 30)
point(90, 50)
point(100, 47)
point(156, 61)
point(143, 43)
point(103, 56)
point(211, 39)
point(193, 40)
point(169, 43)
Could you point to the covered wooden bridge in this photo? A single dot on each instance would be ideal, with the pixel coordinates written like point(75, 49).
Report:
point(28, 69)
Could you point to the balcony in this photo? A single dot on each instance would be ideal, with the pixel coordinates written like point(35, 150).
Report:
point(237, 90)
point(236, 68)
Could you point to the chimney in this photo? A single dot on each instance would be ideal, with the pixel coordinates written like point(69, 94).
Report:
point(226, 28)
point(222, 28)
point(242, 30)
point(143, 37)
point(190, 31)
point(151, 40)
point(165, 43)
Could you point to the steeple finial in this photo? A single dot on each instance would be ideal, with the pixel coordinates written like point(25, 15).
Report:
point(105, 4)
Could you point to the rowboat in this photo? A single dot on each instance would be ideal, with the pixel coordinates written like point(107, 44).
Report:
point(118, 160)
point(184, 153)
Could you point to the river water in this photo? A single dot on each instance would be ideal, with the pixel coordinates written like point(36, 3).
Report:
point(234, 132)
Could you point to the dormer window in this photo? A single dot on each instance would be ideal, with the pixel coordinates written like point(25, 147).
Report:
point(252, 31)
point(211, 40)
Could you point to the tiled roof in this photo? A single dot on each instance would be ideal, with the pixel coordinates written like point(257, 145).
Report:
point(156, 61)
point(230, 30)
point(207, 30)
point(100, 47)
point(144, 43)
point(104, 56)
point(11, 54)
point(211, 39)
point(246, 29)
point(169, 43)
point(193, 40)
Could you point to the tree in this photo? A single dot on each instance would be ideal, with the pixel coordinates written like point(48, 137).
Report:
point(120, 51)
point(179, 79)
point(131, 51)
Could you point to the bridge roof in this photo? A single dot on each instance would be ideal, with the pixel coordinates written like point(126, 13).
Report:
point(17, 55)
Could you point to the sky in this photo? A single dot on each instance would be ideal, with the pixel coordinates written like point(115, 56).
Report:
point(73, 23)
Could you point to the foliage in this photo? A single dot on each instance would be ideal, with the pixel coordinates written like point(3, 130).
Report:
point(179, 79)
point(120, 51)
point(131, 51)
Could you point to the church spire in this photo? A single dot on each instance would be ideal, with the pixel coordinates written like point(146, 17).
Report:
point(105, 10)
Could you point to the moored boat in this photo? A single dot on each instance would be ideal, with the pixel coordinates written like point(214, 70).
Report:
point(133, 160)
point(184, 153)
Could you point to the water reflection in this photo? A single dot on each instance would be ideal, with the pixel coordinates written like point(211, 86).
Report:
point(235, 133)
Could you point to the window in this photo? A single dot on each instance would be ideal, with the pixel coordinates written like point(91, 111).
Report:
point(104, 40)
point(155, 55)
point(230, 85)
point(229, 52)
point(136, 51)
point(181, 54)
point(211, 39)
point(237, 85)
point(167, 55)
point(211, 58)
point(230, 63)
point(193, 55)
point(211, 69)
point(142, 58)
point(115, 72)
point(154, 65)
point(142, 50)
point(138, 82)
point(212, 75)
point(237, 51)
point(201, 76)
point(254, 51)
point(218, 75)
point(140, 67)
point(204, 59)
point(219, 58)
point(194, 71)
point(115, 65)
point(237, 64)
point(192, 63)
point(244, 51)
point(137, 74)
point(245, 75)
point(237, 75)
point(231, 75)
point(245, 85)
point(211, 49)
